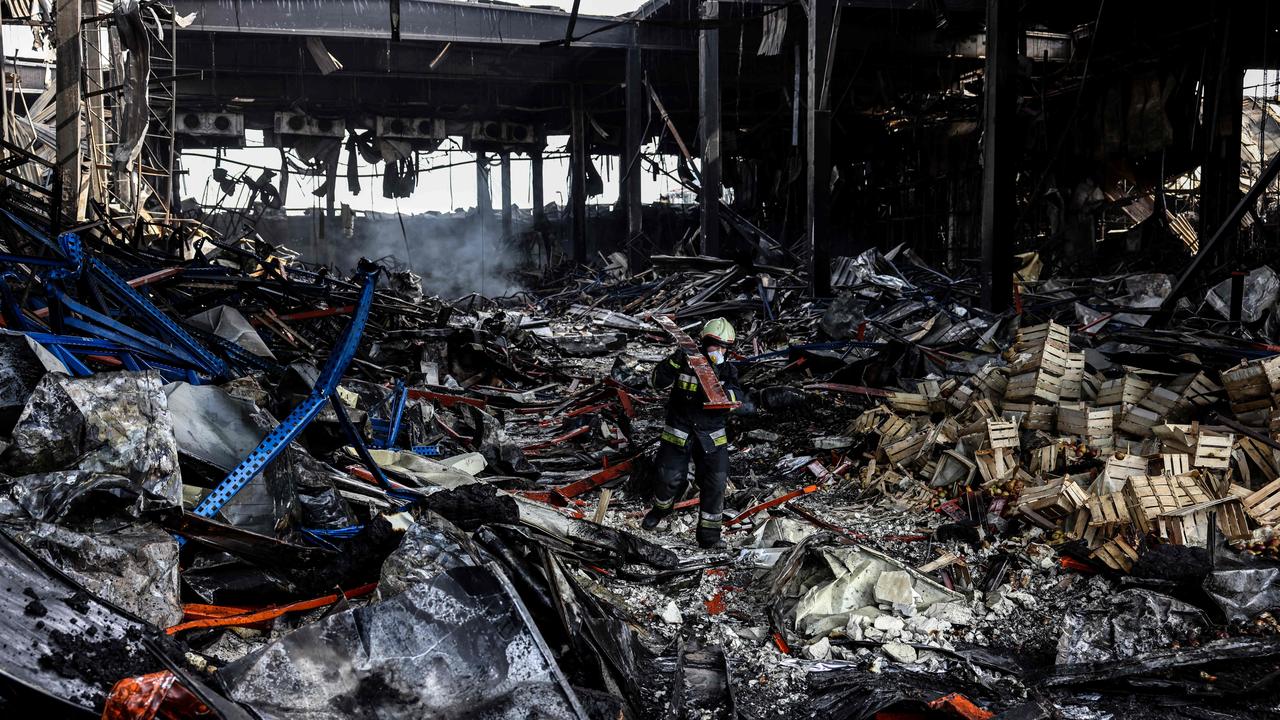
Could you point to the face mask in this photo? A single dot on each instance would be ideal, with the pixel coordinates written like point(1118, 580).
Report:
point(717, 356)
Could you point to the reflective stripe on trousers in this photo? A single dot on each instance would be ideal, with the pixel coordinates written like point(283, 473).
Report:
point(675, 436)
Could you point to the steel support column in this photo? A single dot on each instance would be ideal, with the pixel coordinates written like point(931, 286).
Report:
point(632, 170)
point(1220, 169)
point(709, 124)
point(535, 173)
point(999, 154)
point(506, 194)
point(578, 176)
point(818, 148)
point(69, 135)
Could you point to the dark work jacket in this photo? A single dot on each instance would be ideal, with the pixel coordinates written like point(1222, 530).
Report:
point(684, 407)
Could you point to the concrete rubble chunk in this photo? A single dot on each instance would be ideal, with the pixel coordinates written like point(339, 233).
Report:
point(953, 613)
point(899, 652)
point(889, 624)
point(671, 614)
point(894, 588)
point(820, 650)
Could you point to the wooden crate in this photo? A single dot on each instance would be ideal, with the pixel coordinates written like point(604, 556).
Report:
point(963, 395)
point(868, 421)
point(1081, 421)
point(1002, 433)
point(1260, 456)
point(1257, 417)
point(1117, 470)
point(992, 380)
point(1127, 390)
point(1050, 358)
point(893, 428)
point(1117, 553)
point(1138, 421)
point(1153, 409)
point(1213, 450)
point(1162, 401)
point(1046, 459)
point(1072, 385)
point(1052, 502)
point(909, 448)
point(1176, 463)
point(1234, 490)
point(1190, 525)
point(1090, 385)
point(1109, 512)
point(910, 403)
point(948, 431)
point(1195, 389)
point(995, 465)
point(1252, 382)
point(1045, 334)
point(1208, 448)
point(1036, 385)
point(1150, 496)
point(1176, 437)
point(1032, 416)
point(1263, 505)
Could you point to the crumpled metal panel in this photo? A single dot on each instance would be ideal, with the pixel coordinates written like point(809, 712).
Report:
point(66, 496)
point(1133, 622)
point(461, 645)
point(220, 430)
point(1242, 593)
point(227, 323)
point(430, 546)
point(135, 113)
point(23, 362)
point(115, 423)
point(134, 566)
point(59, 641)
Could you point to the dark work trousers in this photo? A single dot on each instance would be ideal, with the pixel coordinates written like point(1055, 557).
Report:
point(710, 453)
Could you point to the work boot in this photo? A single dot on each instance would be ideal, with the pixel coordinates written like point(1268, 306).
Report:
point(706, 542)
point(653, 517)
point(709, 535)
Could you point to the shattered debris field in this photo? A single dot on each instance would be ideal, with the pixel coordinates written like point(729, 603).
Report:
point(705, 360)
point(296, 495)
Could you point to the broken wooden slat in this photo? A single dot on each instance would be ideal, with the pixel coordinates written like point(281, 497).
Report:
point(1116, 554)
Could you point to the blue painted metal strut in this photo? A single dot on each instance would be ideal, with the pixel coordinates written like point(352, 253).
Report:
point(292, 426)
point(180, 344)
point(139, 303)
point(391, 425)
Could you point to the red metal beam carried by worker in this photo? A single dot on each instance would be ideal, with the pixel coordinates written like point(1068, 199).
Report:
point(711, 387)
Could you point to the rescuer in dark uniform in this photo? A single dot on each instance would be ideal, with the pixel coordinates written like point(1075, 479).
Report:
point(694, 431)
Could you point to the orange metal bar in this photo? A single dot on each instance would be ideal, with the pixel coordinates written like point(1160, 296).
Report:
point(711, 387)
point(269, 613)
point(780, 500)
point(961, 706)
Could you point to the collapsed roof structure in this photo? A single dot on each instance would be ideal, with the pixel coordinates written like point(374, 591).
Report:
point(1003, 280)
